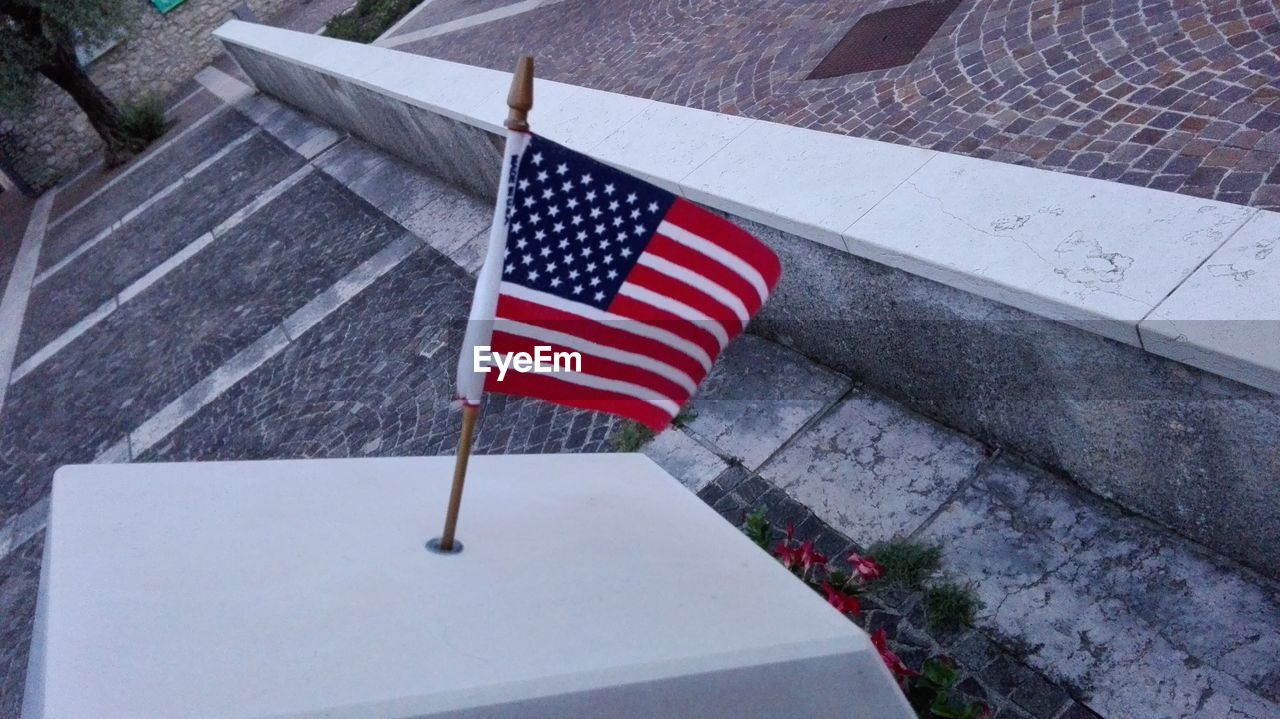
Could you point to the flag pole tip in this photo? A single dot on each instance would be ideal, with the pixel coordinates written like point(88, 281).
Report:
point(520, 98)
point(436, 546)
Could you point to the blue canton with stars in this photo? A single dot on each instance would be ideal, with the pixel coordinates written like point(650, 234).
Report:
point(576, 226)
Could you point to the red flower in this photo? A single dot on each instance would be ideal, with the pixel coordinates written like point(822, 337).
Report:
point(810, 557)
point(865, 567)
point(891, 660)
point(787, 555)
point(845, 603)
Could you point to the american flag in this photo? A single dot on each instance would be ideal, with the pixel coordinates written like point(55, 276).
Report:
point(647, 287)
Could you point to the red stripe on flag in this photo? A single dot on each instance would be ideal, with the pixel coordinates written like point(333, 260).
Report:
point(550, 389)
point(604, 333)
point(634, 309)
point(681, 291)
point(694, 261)
point(654, 385)
point(727, 235)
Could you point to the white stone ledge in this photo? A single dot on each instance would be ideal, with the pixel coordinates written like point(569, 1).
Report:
point(1106, 257)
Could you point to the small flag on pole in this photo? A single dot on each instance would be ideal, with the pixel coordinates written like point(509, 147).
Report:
point(637, 290)
point(645, 287)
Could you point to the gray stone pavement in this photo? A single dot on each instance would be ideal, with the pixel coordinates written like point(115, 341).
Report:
point(325, 322)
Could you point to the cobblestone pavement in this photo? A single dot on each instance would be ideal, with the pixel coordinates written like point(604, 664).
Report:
point(359, 361)
point(1180, 95)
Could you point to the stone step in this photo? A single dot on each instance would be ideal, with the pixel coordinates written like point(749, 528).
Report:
point(1130, 618)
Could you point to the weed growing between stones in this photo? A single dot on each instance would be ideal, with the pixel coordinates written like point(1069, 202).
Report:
point(930, 689)
point(950, 606)
point(634, 435)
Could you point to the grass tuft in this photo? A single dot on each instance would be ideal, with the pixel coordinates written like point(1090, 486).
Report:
point(634, 435)
point(144, 119)
point(907, 564)
point(951, 606)
point(368, 19)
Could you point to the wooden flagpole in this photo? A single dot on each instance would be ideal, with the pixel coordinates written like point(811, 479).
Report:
point(520, 101)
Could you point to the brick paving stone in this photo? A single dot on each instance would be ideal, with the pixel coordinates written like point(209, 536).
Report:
point(109, 380)
point(164, 167)
point(1081, 87)
point(19, 582)
point(157, 233)
point(358, 384)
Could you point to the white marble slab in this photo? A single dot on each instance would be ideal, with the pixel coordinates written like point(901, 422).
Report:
point(665, 142)
point(1097, 254)
point(814, 184)
point(584, 118)
point(589, 585)
point(1226, 317)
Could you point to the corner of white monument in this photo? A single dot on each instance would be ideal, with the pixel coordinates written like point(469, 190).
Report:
point(589, 586)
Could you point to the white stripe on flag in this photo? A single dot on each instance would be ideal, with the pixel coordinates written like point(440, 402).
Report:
point(675, 307)
point(626, 324)
point(717, 253)
point(542, 334)
point(697, 281)
point(613, 385)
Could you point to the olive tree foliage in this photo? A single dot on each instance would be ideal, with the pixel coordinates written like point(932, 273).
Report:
point(39, 38)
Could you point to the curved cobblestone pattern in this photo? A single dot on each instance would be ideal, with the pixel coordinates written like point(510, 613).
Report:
point(359, 384)
point(1181, 96)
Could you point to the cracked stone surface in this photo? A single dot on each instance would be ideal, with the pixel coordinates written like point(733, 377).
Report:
point(1141, 623)
point(757, 396)
point(684, 458)
point(145, 241)
point(873, 470)
point(163, 168)
point(1178, 96)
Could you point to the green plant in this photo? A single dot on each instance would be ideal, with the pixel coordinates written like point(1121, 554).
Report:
point(368, 19)
point(631, 437)
point(634, 435)
point(144, 118)
point(929, 692)
point(951, 606)
point(758, 529)
point(908, 564)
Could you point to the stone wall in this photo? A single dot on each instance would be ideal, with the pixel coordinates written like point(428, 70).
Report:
point(44, 141)
point(1189, 449)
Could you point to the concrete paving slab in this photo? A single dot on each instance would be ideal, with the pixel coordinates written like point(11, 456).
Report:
point(1141, 623)
point(684, 458)
point(873, 470)
point(758, 395)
